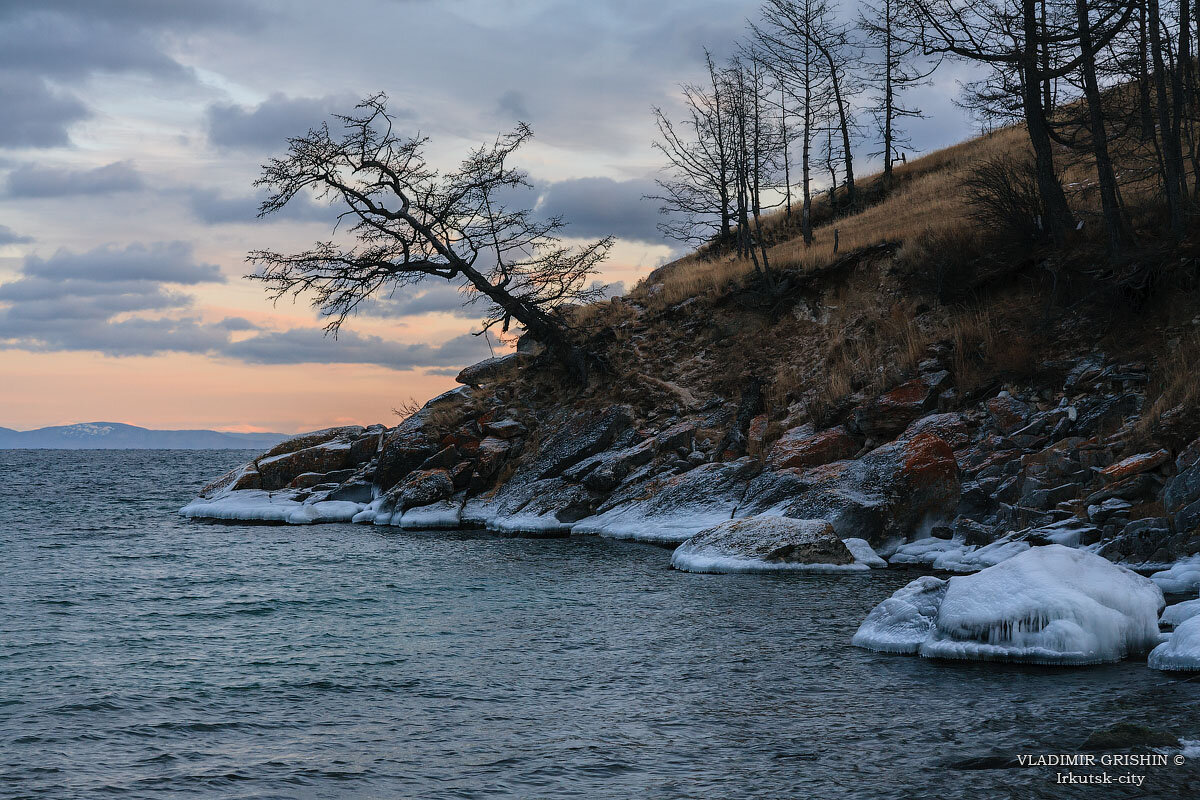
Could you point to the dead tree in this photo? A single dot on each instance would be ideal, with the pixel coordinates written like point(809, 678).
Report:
point(787, 35)
point(697, 185)
point(410, 222)
point(1013, 37)
point(894, 69)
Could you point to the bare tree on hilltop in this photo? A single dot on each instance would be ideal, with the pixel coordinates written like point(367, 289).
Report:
point(411, 222)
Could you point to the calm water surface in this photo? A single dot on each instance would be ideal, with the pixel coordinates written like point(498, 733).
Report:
point(142, 655)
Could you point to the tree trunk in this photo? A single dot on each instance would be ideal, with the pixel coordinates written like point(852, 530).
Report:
point(1172, 155)
point(887, 94)
point(1145, 109)
point(783, 132)
point(1054, 201)
point(1113, 221)
point(806, 151)
point(844, 124)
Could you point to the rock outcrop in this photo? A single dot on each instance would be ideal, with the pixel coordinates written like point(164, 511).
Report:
point(765, 544)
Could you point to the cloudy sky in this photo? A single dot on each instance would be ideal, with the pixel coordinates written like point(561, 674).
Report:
point(131, 130)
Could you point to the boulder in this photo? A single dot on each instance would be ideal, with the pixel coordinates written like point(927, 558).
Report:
point(892, 412)
point(421, 488)
point(490, 455)
point(604, 472)
point(801, 447)
point(279, 470)
point(505, 429)
point(889, 492)
point(1008, 413)
point(420, 436)
point(1180, 653)
point(756, 435)
point(580, 436)
point(950, 427)
point(304, 441)
point(494, 370)
point(903, 622)
point(244, 477)
point(1135, 465)
point(765, 544)
point(672, 509)
point(366, 447)
point(1047, 605)
point(1182, 489)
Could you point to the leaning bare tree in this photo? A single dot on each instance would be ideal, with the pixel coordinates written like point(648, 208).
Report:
point(411, 222)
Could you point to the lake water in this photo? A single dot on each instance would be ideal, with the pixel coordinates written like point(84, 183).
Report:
point(142, 655)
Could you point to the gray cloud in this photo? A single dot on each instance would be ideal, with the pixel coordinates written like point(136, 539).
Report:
point(34, 115)
point(213, 208)
point(30, 180)
point(9, 236)
point(268, 125)
point(160, 262)
point(425, 298)
point(310, 345)
point(602, 206)
point(512, 106)
point(237, 324)
point(78, 302)
point(140, 12)
point(64, 46)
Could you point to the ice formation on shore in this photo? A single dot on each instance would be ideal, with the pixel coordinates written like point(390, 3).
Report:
point(951, 555)
point(904, 621)
point(262, 506)
point(1181, 578)
point(1181, 652)
point(1047, 605)
point(1176, 615)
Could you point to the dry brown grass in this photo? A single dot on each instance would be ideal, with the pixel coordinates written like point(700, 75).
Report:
point(1176, 385)
point(929, 199)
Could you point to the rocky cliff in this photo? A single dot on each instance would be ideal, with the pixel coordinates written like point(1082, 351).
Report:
point(925, 462)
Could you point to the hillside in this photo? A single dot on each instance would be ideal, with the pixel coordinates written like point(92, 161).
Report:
point(118, 436)
point(940, 392)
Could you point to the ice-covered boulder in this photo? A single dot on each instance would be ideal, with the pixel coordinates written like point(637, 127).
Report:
point(954, 555)
point(1176, 615)
point(1180, 653)
point(766, 544)
point(1047, 605)
point(1181, 578)
point(250, 505)
point(903, 622)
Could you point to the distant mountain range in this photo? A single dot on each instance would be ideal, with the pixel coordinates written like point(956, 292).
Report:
point(117, 436)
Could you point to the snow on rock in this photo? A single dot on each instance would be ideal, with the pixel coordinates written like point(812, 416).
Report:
point(952, 555)
point(765, 544)
point(442, 515)
point(903, 622)
point(887, 493)
point(863, 553)
point(1181, 578)
point(675, 509)
point(546, 507)
point(1180, 653)
point(249, 505)
point(1048, 605)
point(1176, 615)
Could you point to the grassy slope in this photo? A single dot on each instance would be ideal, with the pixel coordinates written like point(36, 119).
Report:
point(857, 322)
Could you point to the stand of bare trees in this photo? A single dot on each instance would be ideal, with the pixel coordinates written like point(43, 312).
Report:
point(1082, 77)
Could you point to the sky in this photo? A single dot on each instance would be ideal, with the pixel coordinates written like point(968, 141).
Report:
point(131, 132)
